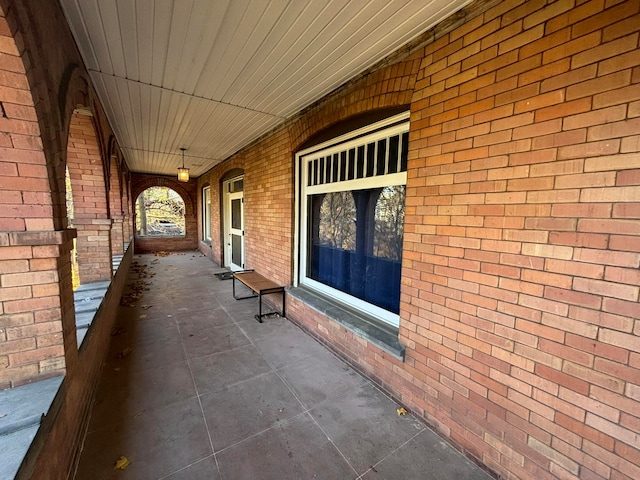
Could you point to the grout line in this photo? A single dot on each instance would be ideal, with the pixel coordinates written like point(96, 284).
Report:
point(198, 396)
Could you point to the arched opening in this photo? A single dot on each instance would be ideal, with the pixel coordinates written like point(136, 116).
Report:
point(89, 194)
point(160, 212)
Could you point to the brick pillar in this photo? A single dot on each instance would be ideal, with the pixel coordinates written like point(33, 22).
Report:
point(36, 306)
point(94, 249)
point(117, 235)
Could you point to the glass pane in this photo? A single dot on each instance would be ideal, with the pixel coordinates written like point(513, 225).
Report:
point(393, 154)
point(371, 152)
point(381, 164)
point(405, 152)
point(322, 171)
point(236, 214)
point(356, 243)
point(334, 172)
point(352, 164)
point(236, 185)
point(236, 250)
point(360, 162)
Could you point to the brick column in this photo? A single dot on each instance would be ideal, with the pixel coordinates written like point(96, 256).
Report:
point(93, 249)
point(117, 235)
point(37, 319)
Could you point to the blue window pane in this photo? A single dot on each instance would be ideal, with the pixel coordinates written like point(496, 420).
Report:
point(356, 243)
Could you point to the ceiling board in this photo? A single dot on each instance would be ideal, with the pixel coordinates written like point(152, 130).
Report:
point(214, 75)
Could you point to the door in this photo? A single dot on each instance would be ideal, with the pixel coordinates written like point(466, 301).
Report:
point(234, 223)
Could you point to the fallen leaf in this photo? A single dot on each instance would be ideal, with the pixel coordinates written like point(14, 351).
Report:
point(146, 307)
point(125, 352)
point(122, 463)
point(144, 315)
point(401, 411)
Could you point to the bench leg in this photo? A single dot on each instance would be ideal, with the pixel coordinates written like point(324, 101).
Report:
point(259, 316)
point(253, 294)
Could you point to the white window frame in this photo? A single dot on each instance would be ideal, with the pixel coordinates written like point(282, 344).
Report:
point(206, 214)
point(395, 125)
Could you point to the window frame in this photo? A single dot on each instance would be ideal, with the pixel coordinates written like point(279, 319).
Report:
point(206, 214)
point(395, 125)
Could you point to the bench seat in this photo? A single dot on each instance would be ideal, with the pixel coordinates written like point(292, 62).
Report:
point(259, 286)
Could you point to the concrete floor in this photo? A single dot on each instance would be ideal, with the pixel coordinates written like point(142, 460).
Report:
point(194, 388)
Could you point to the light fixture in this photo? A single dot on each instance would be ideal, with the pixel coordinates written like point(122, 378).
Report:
point(183, 173)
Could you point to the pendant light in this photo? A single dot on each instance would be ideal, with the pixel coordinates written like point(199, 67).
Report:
point(183, 173)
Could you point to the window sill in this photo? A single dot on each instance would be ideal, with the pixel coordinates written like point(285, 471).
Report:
point(372, 330)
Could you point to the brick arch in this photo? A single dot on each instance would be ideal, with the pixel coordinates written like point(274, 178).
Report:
point(187, 198)
point(385, 88)
point(90, 201)
point(116, 209)
point(188, 192)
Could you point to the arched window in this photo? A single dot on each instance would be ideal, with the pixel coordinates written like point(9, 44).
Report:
point(160, 213)
point(352, 199)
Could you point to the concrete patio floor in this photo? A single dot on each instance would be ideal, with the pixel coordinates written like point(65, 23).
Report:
point(194, 388)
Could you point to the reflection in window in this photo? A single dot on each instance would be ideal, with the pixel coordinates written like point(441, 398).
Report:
point(160, 212)
point(337, 227)
point(389, 223)
point(356, 245)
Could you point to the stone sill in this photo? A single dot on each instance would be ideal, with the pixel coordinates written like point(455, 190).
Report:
point(374, 331)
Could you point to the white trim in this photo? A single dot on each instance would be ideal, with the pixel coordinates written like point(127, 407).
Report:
point(396, 125)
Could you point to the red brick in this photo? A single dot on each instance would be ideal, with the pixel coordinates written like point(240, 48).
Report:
point(604, 19)
point(616, 96)
point(571, 48)
point(568, 381)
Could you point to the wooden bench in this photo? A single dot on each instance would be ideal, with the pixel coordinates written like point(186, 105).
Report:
point(259, 286)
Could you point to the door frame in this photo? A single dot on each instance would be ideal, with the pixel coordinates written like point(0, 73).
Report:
point(228, 231)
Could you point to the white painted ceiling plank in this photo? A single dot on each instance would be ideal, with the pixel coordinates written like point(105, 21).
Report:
point(274, 56)
point(162, 16)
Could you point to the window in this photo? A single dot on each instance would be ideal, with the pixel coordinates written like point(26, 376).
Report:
point(206, 214)
point(160, 212)
point(351, 209)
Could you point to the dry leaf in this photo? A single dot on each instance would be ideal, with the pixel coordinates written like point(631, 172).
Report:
point(401, 411)
point(146, 307)
point(125, 352)
point(122, 463)
point(144, 315)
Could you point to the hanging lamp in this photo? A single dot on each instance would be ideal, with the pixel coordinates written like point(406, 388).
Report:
point(183, 172)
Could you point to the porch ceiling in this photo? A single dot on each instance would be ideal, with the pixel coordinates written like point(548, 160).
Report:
point(214, 75)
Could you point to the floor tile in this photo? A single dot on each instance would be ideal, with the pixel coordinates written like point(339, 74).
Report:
point(366, 426)
point(203, 470)
point(292, 450)
point(151, 353)
point(244, 409)
point(157, 442)
point(290, 348)
point(426, 457)
point(125, 394)
point(317, 380)
point(220, 370)
point(202, 341)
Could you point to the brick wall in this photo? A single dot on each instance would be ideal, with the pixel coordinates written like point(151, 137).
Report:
point(520, 286)
point(188, 193)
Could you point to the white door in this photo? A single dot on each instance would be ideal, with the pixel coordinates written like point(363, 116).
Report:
point(234, 226)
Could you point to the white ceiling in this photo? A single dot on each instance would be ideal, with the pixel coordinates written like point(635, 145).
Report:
point(214, 75)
